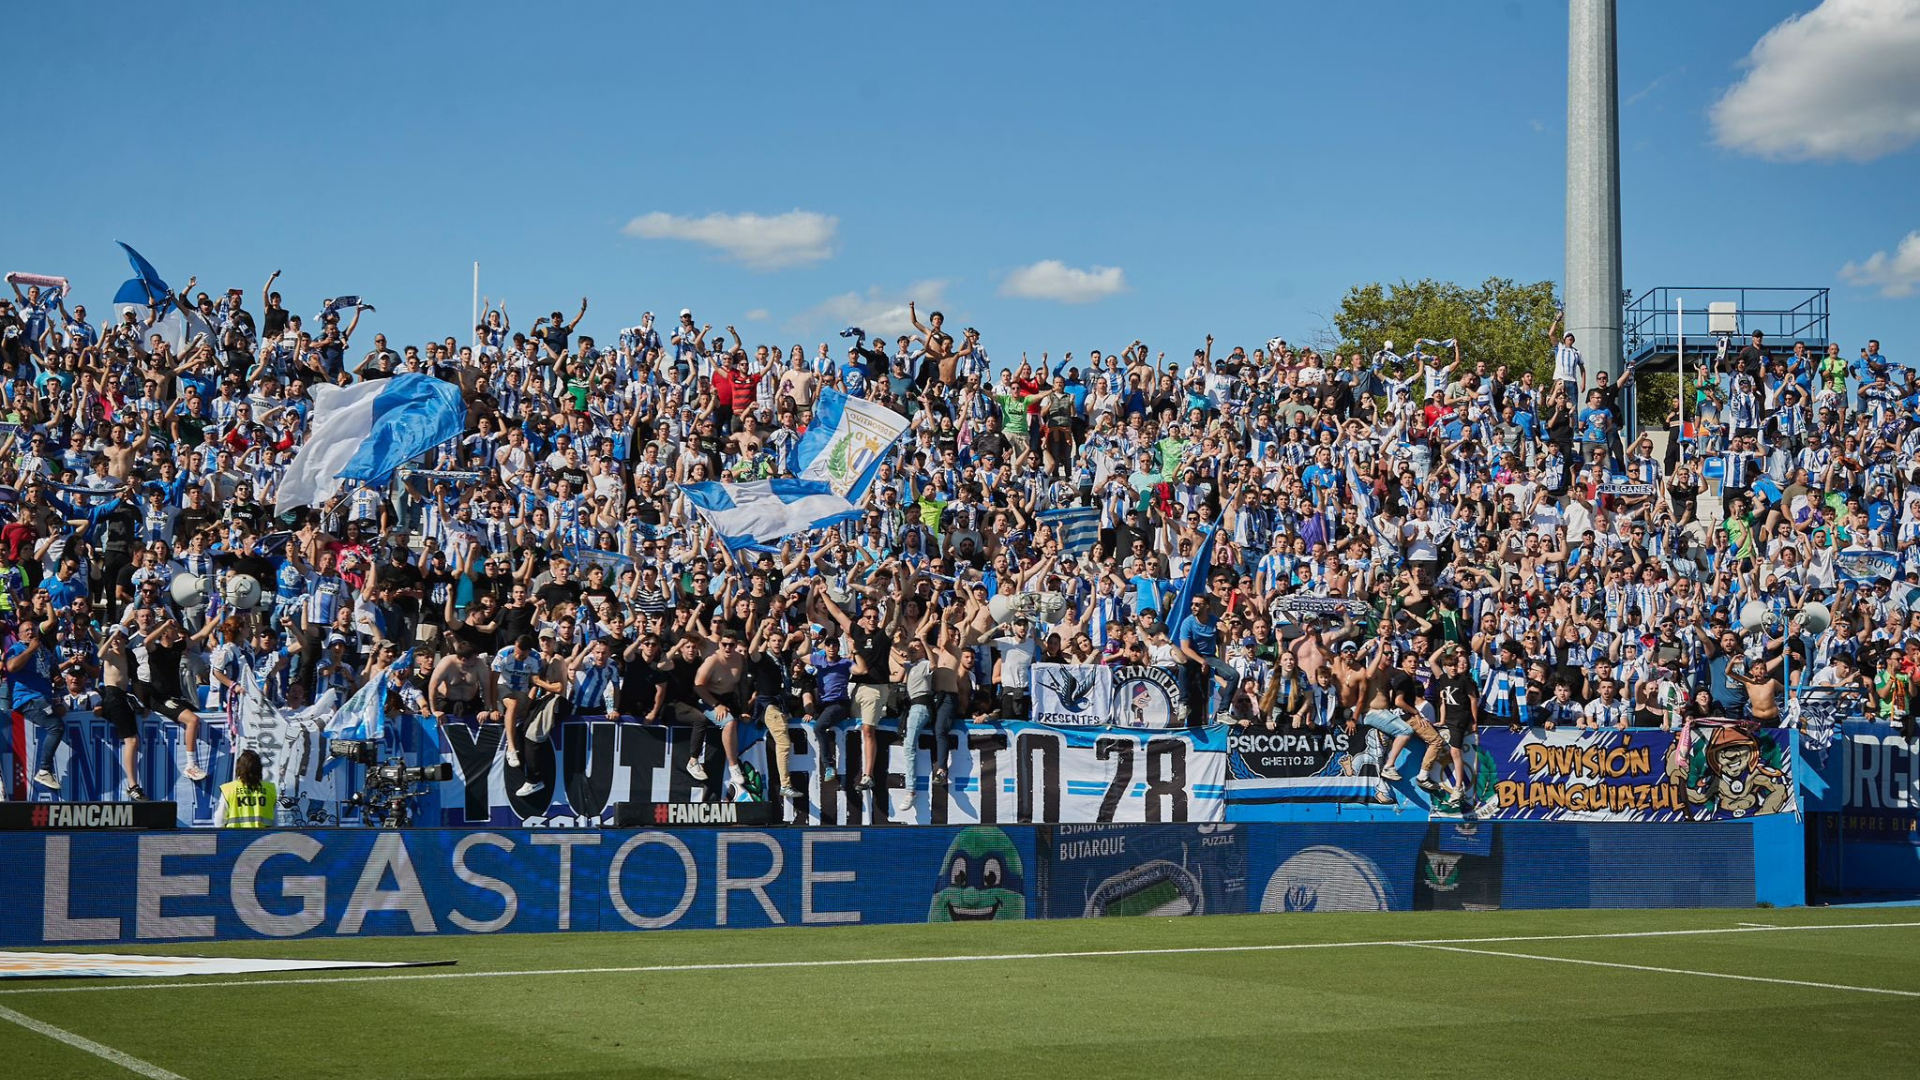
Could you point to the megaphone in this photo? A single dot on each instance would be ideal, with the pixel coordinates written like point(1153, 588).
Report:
point(1003, 608)
point(188, 590)
point(1754, 616)
point(1051, 606)
point(1814, 618)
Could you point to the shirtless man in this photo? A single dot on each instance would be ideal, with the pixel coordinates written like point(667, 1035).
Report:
point(459, 683)
point(121, 454)
point(797, 381)
point(1364, 690)
point(718, 685)
point(950, 687)
point(1762, 684)
point(939, 344)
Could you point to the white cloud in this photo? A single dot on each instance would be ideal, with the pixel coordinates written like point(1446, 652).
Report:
point(763, 243)
point(758, 314)
point(1840, 81)
point(1051, 279)
point(1897, 274)
point(876, 311)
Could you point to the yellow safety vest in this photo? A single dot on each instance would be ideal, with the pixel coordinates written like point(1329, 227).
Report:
point(248, 809)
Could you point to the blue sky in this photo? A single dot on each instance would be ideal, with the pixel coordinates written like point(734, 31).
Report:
point(1240, 165)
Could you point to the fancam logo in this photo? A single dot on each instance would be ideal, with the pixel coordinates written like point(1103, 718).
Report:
point(83, 816)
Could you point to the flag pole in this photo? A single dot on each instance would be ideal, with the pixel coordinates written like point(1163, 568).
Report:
point(1680, 370)
point(473, 335)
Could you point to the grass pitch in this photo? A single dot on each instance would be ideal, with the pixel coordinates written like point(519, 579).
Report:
point(1614, 994)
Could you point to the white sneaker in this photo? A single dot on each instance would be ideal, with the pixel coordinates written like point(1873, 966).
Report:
point(787, 792)
point(46, 779)
point(736, 776)
point(695, 769)
point(903, 807)
point(513, 759)
point(195, 773)
point(529, 788)
point(1389, 773)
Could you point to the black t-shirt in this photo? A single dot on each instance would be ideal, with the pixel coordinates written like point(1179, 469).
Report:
point(1407, 686)
point(638, 681)
point(679, 679)
point(1452, 697)
point(556, 593)
point(274, 322)
point(515, 619)
point(190, 522)
point(872, 647)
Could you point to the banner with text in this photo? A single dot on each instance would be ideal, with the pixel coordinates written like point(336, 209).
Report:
point(1006, 772)
point(1092, 695)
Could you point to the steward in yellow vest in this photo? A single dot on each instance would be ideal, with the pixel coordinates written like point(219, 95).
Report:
point(247, 801)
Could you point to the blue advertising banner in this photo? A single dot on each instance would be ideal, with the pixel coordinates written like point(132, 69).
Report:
point(66, 888)
point(1097, 871)
point(104, 888)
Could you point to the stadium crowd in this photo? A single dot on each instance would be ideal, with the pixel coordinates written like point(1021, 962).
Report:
point(1417, 542)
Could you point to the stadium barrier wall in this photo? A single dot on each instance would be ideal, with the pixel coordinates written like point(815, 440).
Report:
point(1862, 793)
point(66, 888)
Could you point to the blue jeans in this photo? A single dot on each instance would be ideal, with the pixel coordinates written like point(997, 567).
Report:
point(39, 713)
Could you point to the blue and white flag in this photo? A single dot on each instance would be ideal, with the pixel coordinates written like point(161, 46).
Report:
point(364, 716)
point(144, 292)
point(1195, 583)
point(1866, 564)
point(748, 515)
point(1078, 527)
point(367, 431)
point(845, 442)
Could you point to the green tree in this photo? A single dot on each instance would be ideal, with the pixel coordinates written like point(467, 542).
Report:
point(1498, 320)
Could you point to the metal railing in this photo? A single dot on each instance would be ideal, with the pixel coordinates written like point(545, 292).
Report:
point(1652, 323)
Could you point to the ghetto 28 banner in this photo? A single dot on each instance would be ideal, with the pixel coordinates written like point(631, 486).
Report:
point(996, 773)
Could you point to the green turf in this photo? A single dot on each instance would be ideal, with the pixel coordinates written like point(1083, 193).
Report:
point(1368, 1011)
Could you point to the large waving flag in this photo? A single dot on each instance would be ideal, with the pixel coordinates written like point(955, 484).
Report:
point(142, 294)
point(367, 431)
point(750, 515)
point(1196, 581)
point(845, 442)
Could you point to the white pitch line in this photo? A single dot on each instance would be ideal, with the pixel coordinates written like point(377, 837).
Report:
point(878, 961)
point(1673, 971)
point(107, 1053)
point(1761, 925)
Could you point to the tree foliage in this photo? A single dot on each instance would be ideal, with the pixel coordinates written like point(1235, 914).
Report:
point(1498, 321)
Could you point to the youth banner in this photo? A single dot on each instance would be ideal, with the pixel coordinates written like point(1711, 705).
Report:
point(996, 773)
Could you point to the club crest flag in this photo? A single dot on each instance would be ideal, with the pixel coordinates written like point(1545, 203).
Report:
point(845, 443)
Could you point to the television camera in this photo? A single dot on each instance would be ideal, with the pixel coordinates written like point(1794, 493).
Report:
point(391, 785)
